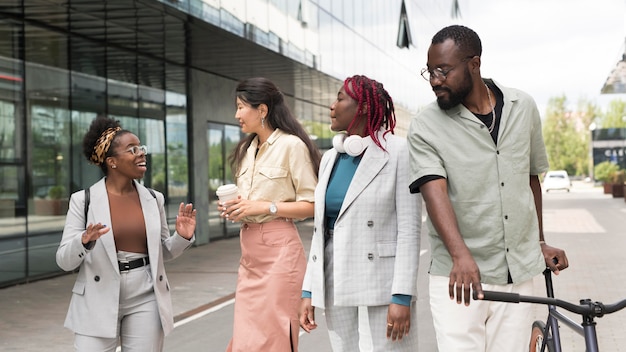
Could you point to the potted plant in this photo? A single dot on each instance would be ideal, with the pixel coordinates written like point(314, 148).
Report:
point(617, 183)
point(603, 172)
point(56, 192)
point(56, 203)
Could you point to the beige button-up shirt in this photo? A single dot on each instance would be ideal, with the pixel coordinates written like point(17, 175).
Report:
point(488, 184)
point(281, 171)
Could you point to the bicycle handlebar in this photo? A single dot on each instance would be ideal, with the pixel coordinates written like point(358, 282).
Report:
point(585, 308)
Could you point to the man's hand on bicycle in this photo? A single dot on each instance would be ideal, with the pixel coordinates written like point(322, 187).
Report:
point(555, 258)
point(464, 276)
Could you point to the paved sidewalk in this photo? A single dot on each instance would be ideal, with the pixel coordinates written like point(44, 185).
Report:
point(588, 224)
point(32, 315)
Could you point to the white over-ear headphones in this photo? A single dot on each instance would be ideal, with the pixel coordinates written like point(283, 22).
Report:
point(353, 145)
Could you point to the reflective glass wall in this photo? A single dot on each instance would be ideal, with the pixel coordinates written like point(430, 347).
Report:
point(53, 83)
point(171, 81)
point(384, 39)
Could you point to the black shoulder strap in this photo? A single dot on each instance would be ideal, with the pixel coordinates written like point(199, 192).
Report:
point(86, 204)
point(151, 192)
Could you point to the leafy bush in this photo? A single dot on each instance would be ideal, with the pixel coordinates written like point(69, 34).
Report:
point(56, 192)
point(618, 177)
point(605, 171)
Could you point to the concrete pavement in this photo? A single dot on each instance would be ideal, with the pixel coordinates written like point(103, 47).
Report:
point(588, 224)
point(32, 315)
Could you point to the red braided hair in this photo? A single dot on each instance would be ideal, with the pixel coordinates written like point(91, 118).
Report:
point(372, 97)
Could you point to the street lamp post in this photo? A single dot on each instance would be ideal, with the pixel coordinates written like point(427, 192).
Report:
point(592, 128)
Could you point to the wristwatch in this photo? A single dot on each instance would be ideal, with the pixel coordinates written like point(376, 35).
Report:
point(273, 208)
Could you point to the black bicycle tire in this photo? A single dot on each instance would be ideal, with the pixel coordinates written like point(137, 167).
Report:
point(539, 330)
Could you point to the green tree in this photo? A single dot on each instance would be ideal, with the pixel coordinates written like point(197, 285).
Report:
point(566, 145)
point(615, 116)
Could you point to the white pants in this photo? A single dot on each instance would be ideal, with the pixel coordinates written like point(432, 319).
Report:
point(483, 326)
point(361, 328)
point(139, 324)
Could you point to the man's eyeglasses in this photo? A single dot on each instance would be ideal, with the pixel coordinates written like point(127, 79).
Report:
point(137, 150)
point(439, 73)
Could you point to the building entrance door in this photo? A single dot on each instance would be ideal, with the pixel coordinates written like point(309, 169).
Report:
point(221, 141)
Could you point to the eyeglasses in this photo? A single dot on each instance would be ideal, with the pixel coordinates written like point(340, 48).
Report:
point(439, 73)
point(137, 150)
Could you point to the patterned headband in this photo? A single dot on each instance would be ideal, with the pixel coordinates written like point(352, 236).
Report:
point(102, 145)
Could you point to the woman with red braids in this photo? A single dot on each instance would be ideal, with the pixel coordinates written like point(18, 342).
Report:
point(362, 267)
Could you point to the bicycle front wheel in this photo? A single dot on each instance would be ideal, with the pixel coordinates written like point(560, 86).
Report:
point(540, 339)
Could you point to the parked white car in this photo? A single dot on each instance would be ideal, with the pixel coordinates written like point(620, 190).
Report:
point(556, 180)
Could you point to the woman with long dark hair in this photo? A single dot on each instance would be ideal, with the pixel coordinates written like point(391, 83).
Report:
point(275, 168)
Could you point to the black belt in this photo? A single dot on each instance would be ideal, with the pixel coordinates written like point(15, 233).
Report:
point(133, 264)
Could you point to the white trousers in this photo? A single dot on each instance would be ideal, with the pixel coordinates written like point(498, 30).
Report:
point(483, 326)
point(361, 328)
point(139, 324)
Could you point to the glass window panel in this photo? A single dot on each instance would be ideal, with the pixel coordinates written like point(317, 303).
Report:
point(11, 87)
point(337, 10)
point(45, 47)
point(348, 8)
point(176, 134)
point(151, 102)
point(42, 253)
point(12, 259)
point(152, 134)
point(48, 87)
point(122, 98)
point(177, 151)
point(84, 174)
point(326, 5)
point(50, 165)
point(292, 8)
point(281, 4)
point(327, 49)
point(232, 135)
point(88, 77)
point(12, 200)
point(221, 139)
point(210, 11)
point(8, 136)
point(13, 197)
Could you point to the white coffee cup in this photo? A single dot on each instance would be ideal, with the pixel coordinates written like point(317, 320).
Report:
point(227, 192)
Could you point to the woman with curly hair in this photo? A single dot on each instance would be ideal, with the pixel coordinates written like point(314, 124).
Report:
point(116, 233)
point(365, 247)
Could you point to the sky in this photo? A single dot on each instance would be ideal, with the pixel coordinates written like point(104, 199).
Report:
point(550, 48)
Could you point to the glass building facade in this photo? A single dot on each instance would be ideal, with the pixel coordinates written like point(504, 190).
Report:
point(167, 70)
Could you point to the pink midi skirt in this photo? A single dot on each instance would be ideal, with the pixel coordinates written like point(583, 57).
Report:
point(269, 287)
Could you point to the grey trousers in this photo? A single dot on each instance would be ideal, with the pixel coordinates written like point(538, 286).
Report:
point(139, 324)
point(354, 328)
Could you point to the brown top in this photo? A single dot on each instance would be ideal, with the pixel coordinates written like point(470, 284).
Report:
point(127, 223)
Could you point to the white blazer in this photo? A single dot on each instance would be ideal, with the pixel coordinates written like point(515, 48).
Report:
point(376, 239)
point(94, 305)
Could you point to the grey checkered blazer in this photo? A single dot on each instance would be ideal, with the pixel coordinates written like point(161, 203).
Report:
point(376, 239)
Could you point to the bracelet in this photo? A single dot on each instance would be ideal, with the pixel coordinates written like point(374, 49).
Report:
point(542, 242)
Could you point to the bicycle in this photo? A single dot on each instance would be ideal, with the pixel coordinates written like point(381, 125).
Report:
point(546, 335)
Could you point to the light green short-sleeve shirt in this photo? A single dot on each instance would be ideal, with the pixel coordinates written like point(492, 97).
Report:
point(281, 171)
point(488, 184)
